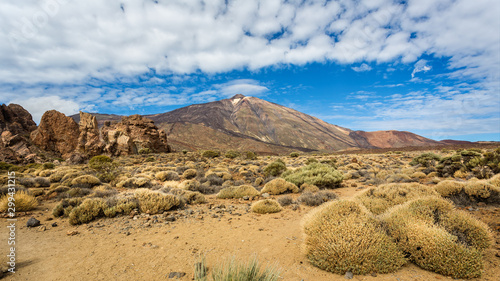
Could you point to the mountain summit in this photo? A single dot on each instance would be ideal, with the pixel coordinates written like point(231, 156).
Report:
point(244, 122)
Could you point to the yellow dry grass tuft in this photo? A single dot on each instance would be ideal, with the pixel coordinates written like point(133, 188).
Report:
point(237, 192)
point(279, 186)
point(266, 206)
point(22, 202)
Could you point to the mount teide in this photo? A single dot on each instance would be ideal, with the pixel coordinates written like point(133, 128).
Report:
point(249, 123)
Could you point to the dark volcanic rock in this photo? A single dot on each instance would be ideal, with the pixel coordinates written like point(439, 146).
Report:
point(32, 222)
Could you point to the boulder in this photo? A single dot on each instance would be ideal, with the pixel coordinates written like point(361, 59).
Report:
point(57, 133)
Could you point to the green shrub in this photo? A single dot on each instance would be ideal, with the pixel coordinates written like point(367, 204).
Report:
point(48, 166)
point(275, 168)
point(145, 150)
point(153, 202)
point(321, 175)
point(438, 237)
point(87, 211)
point(342, 236)
point(279, 186)
point(428, 159)
point(64, 208)
point(311, 160)
point(120, 206)
point(379, 199)
point(250, 155)
point(5, 166)
point(294, 154)
point(231, 154)
point(210, 154)
point(104, 167)
point(266, 206)
point(237, 192)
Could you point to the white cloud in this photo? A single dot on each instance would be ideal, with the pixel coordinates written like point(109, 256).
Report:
point(245, 87)
point(47, 43)
point(362, 68)
point(37, 106)
point(420, 66)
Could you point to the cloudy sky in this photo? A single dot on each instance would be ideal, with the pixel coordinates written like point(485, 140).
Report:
point(427, 66)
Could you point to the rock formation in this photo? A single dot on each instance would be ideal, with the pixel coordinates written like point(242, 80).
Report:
point(56, 133)
point(16, 124)
point(133, 134)
point(89, 141)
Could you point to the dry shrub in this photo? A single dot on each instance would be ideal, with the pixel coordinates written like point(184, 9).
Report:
point(279, 186)
point(437, 237)
point(343, 236)
point(482, 191)
point(64, 208)
point(171, 184)
point(167, 176)
point(153, 202)
point(495, 180)
point(135, 182)
point(87, 211)
point(192, 185)
point(85, 181)
point(448, 188)
point(379, 199)
point(259, 181)
point(191, 197)
point(22, 200)
point(306, 187)
point(120, 206)
point(189, 174)
point(316, 199)
point(238, 192)
point(266, 206)
point(285, 200)
point(418, 175)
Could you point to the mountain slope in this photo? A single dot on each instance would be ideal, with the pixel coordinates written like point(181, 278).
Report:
point(264, 124)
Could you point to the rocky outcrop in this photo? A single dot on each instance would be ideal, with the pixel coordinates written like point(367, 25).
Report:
point(89, 141)
point(57, 133)
point(132, 135)
point(16, 124)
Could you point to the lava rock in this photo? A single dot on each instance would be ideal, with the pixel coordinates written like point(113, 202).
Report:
point(32, 222)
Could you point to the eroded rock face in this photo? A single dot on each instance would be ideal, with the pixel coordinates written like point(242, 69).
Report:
point(16, 124)
point(132, 134)
point(57, 133)
point(89, 141)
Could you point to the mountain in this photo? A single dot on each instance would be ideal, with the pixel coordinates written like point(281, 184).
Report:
point(250, 123)
point(255, 124)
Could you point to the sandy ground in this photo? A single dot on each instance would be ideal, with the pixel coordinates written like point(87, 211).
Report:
point(150, 248)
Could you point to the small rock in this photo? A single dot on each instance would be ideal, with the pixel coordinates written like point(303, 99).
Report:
point(54, 224)
point(246, 198)
point(348, 275)
point(177, 275)
point(32, 222)
point(374, 274)
point(42, 228)
point(72, 232)
point(265, 195)
point(171, 218)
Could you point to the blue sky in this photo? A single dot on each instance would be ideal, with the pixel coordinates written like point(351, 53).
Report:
point(431, 67)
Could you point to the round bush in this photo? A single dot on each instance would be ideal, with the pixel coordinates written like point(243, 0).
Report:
point(266, 206)
point(342, 236)
point(275, 168)
point(379, 199)
point(279, 186)
point(237, 192)
point(321, 175)
point(438, 237)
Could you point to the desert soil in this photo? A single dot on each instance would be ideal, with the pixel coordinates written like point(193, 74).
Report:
point(150, 247)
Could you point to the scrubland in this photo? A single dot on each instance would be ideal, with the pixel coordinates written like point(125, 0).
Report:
point(240, 216)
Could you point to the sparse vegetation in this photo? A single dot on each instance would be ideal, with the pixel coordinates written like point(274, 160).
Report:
point(279, 186)
point(342, 236)
point(231, 269)
point(154, 202)
point(321, 175)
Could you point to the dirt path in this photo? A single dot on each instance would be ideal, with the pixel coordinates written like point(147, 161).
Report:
point(141, 249)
